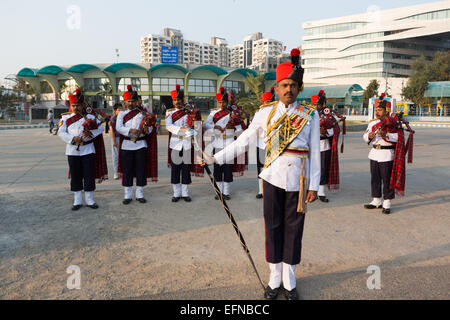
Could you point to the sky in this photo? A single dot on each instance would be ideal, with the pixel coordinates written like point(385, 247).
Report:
point(40, 33)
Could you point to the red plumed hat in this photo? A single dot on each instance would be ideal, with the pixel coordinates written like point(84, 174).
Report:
point(76, 98)
point(222, 96)
point(291, 70)
point(314, 99)
point(269, 96)
point(130, 94)
point(177, 93)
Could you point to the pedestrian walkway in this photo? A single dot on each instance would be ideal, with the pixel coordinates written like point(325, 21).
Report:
point(431, 125)
point(15, 127)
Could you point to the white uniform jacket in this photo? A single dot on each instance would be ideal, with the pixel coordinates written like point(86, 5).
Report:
point(124, 129)
point(218, 141)
point(380, 155)
point(284, 172)
point(75, 130)
point(178, 141)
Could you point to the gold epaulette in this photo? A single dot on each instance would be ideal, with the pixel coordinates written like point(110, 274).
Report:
point(311, 106)
point(65, 114)
point(168, 111)
point(268, 105)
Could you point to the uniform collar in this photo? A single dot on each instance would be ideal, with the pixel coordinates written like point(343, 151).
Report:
point(284, 108)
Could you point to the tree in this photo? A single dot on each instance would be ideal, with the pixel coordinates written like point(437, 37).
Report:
point(422, 73)
point(370, 91)
point(252, 100)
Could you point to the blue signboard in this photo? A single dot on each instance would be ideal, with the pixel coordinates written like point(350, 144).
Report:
point(169, 54)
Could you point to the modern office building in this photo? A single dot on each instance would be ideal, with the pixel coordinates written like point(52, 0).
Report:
point(377, 45)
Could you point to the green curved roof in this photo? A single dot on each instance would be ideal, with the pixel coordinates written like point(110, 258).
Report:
point(167, 65)
point(215, 69)
point(245, 72)
point(438, 89)
point(270, 76)
point(52, 70)
point(120, 66)
point(338, 92)
point(28, 72)
point(82, 68)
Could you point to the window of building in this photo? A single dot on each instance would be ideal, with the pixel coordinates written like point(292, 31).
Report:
point(166, 84)
point(202, 86)
point(334, 28)
point(236, 86)
point(434, 15)
point(94, 84)
point(317, 51)
point(378, 44)
point(139, 84)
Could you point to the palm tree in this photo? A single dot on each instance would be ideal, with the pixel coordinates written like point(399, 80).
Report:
point(252, 100)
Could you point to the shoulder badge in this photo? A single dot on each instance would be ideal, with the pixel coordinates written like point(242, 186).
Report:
point(268, 105)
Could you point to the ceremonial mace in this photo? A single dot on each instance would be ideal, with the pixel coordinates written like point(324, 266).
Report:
point(227, 209)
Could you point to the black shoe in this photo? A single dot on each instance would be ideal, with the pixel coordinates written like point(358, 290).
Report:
point(226, 197)
point(386, 211)
point(142, 200)
point(271, 294)
point(259, 196)
point(187, 199)
point(291, 295)
point(93, 206)
point(323, 199)
point(371, 206)
point(175, 199)
point(126, 201)
point(76, 207)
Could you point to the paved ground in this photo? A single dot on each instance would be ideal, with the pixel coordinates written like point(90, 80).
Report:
point(189, 251)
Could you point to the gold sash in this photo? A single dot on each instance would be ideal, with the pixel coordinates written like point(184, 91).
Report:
point(281, 134)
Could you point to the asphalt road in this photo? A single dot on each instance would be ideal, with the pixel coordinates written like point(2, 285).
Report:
point(189, 251)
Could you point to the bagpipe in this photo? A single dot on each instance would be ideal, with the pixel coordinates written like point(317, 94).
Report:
point(194, 115)
point(393, 123)
point(328, 121)
point(147, 122)
point(236, 119)
point(88, 125)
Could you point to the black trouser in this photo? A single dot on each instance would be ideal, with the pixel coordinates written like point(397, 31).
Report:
point(181, 168)
point(381, 173)
point(325, 158)
point(260, 159)
point(134, 165)
point(283, 224)
point(223, 173)
point(82, 172)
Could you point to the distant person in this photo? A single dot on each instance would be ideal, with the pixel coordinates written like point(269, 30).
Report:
point(115, 140)
point(381, 158)
point(51, 120)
